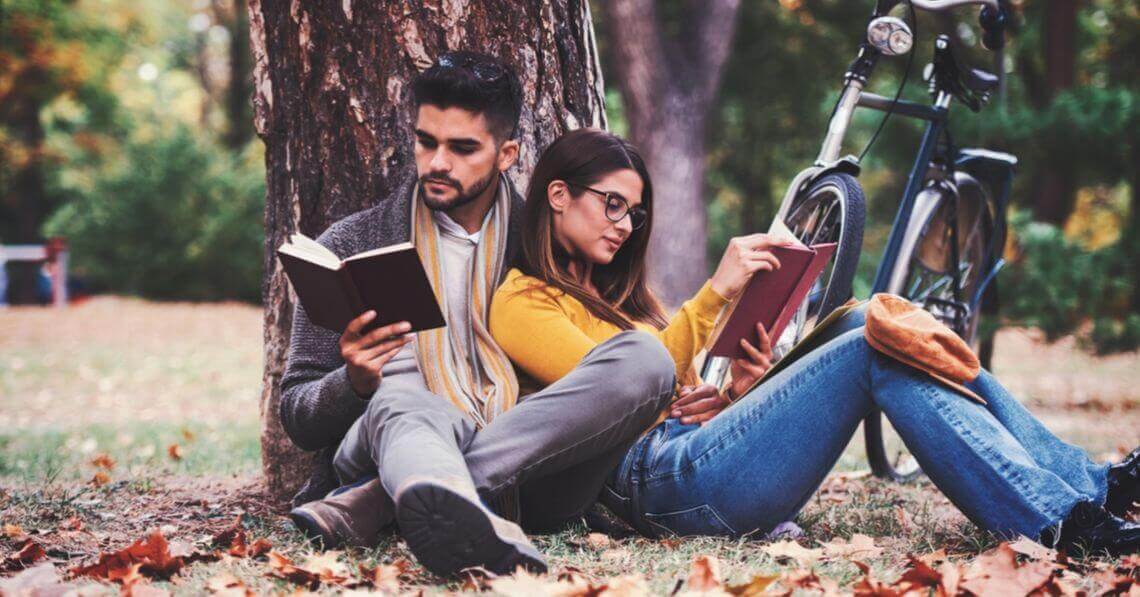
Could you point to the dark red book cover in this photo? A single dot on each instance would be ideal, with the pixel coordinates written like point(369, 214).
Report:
point(770, 298)
point(391, 281)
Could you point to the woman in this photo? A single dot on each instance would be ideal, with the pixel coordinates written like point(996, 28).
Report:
point(580, 279)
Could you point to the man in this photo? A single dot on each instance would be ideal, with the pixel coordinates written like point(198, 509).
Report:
point(430, 429)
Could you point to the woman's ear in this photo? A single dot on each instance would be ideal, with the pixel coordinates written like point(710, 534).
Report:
point(558, 195)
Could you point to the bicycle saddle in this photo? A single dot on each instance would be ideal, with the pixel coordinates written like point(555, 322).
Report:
point(980, 81)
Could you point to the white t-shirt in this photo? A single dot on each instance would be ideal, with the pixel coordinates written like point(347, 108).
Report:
point(457, 249)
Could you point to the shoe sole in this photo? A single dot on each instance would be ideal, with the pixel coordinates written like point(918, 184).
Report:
point(313, 530)
point(447, 532)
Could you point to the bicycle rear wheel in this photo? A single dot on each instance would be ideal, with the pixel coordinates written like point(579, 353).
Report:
point(923, 274)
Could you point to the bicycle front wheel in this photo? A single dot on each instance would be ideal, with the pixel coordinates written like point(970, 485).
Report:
point(829, 210)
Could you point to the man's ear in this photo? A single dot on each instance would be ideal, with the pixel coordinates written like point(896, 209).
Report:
point(558, 195)
point(508, 154)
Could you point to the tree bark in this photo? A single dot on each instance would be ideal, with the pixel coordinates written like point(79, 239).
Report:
point(332, 104)
point(669, 84)
point(1056, 189)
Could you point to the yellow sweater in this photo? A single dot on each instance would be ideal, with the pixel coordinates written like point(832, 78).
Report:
point(547, 336)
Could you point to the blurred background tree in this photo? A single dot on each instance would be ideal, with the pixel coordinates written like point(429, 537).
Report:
point(127, 128)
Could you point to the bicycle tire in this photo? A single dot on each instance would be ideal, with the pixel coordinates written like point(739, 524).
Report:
point(834, 287)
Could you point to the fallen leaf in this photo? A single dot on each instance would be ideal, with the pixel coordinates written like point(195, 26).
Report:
point(41, 579)
point(228, 585)
point(525, 584)
point(322, 568)
point(386, 577)
point(1028, 547)
point(71, 524)
point(103, 461)
point(629, 585)
point(187, 434)
point(598, 541)
point(29, 553)
point(790, 550)
point(860, 546)
point(100, 479)
point(143, 590)
point(174, 451)
point(869, 586)
point(146, 557)
point(755, 587)
point(14, 531)
point(997, 572)
point(704, 574)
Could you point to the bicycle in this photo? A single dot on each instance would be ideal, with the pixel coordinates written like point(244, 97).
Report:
point(952, 209)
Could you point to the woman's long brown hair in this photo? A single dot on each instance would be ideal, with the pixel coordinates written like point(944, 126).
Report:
point(585, 156)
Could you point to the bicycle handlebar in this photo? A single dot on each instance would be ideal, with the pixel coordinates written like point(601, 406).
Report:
point(992, 19)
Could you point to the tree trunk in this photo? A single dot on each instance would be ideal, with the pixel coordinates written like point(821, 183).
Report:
point(1055, 191)
point(239, 119)
point(332, 104)
point(669, 84)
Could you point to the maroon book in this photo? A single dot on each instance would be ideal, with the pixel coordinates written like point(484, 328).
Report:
point(770, 298)
point(390, 280)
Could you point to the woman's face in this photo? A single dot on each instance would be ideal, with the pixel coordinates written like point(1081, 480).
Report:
point(581, 225)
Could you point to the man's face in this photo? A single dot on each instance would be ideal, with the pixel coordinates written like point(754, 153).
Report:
point(457, 157)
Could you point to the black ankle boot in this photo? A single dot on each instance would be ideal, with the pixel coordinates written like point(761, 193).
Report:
point(1090, 527)
point(1123, 485)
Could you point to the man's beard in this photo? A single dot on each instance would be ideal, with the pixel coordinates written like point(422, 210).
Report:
point(464, 196)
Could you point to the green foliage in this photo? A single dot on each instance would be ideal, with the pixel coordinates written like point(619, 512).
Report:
point(1057, 285)
point(177, 218)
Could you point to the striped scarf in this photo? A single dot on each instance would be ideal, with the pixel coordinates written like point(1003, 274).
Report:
point(489, 389)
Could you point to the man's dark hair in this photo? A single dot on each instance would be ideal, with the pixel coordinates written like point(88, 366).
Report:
point(476, 82)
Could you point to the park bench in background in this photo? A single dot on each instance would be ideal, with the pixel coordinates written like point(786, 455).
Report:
point(53, 253)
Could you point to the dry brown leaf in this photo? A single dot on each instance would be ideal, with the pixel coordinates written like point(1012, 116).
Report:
point(525, 584)
point(141, 589)
point(103, 461)
point(41, 579)
point(150, 557)
point(100, 479)
point(174, 451)
point(630, 585)
point(73, 523)
point(755, 587)
point(808, 580)
point(322, 568)
point(187, 435)
point(598, 541)
point(233, 539)
point(997, 572)
point(704, 574)
point(14, 531)
point(1028, 547)
point(860, 546)
point(869, 586)
point(386, 577)
point(228, 585)
point(790, 550)
point(28, 553)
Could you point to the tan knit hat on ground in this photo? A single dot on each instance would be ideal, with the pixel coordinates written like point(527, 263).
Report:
point(903, 331)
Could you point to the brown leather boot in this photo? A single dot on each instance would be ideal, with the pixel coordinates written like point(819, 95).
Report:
point(352, 515)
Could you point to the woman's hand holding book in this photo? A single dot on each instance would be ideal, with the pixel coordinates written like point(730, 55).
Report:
point(744, 256)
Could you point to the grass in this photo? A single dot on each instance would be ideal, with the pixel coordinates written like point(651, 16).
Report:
point(129, 379)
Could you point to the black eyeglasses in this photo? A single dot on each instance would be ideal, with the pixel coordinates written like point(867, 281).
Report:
point(617, 207)
point(488, 73)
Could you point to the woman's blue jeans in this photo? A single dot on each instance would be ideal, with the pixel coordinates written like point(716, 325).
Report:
point(758, 462)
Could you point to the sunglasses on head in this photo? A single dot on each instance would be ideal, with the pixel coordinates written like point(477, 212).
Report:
point(483, 71)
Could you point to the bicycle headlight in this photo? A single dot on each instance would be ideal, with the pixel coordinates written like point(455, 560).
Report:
point(890, 36)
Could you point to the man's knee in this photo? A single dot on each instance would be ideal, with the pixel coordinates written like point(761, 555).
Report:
point(648, 372)
point(398, 401)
